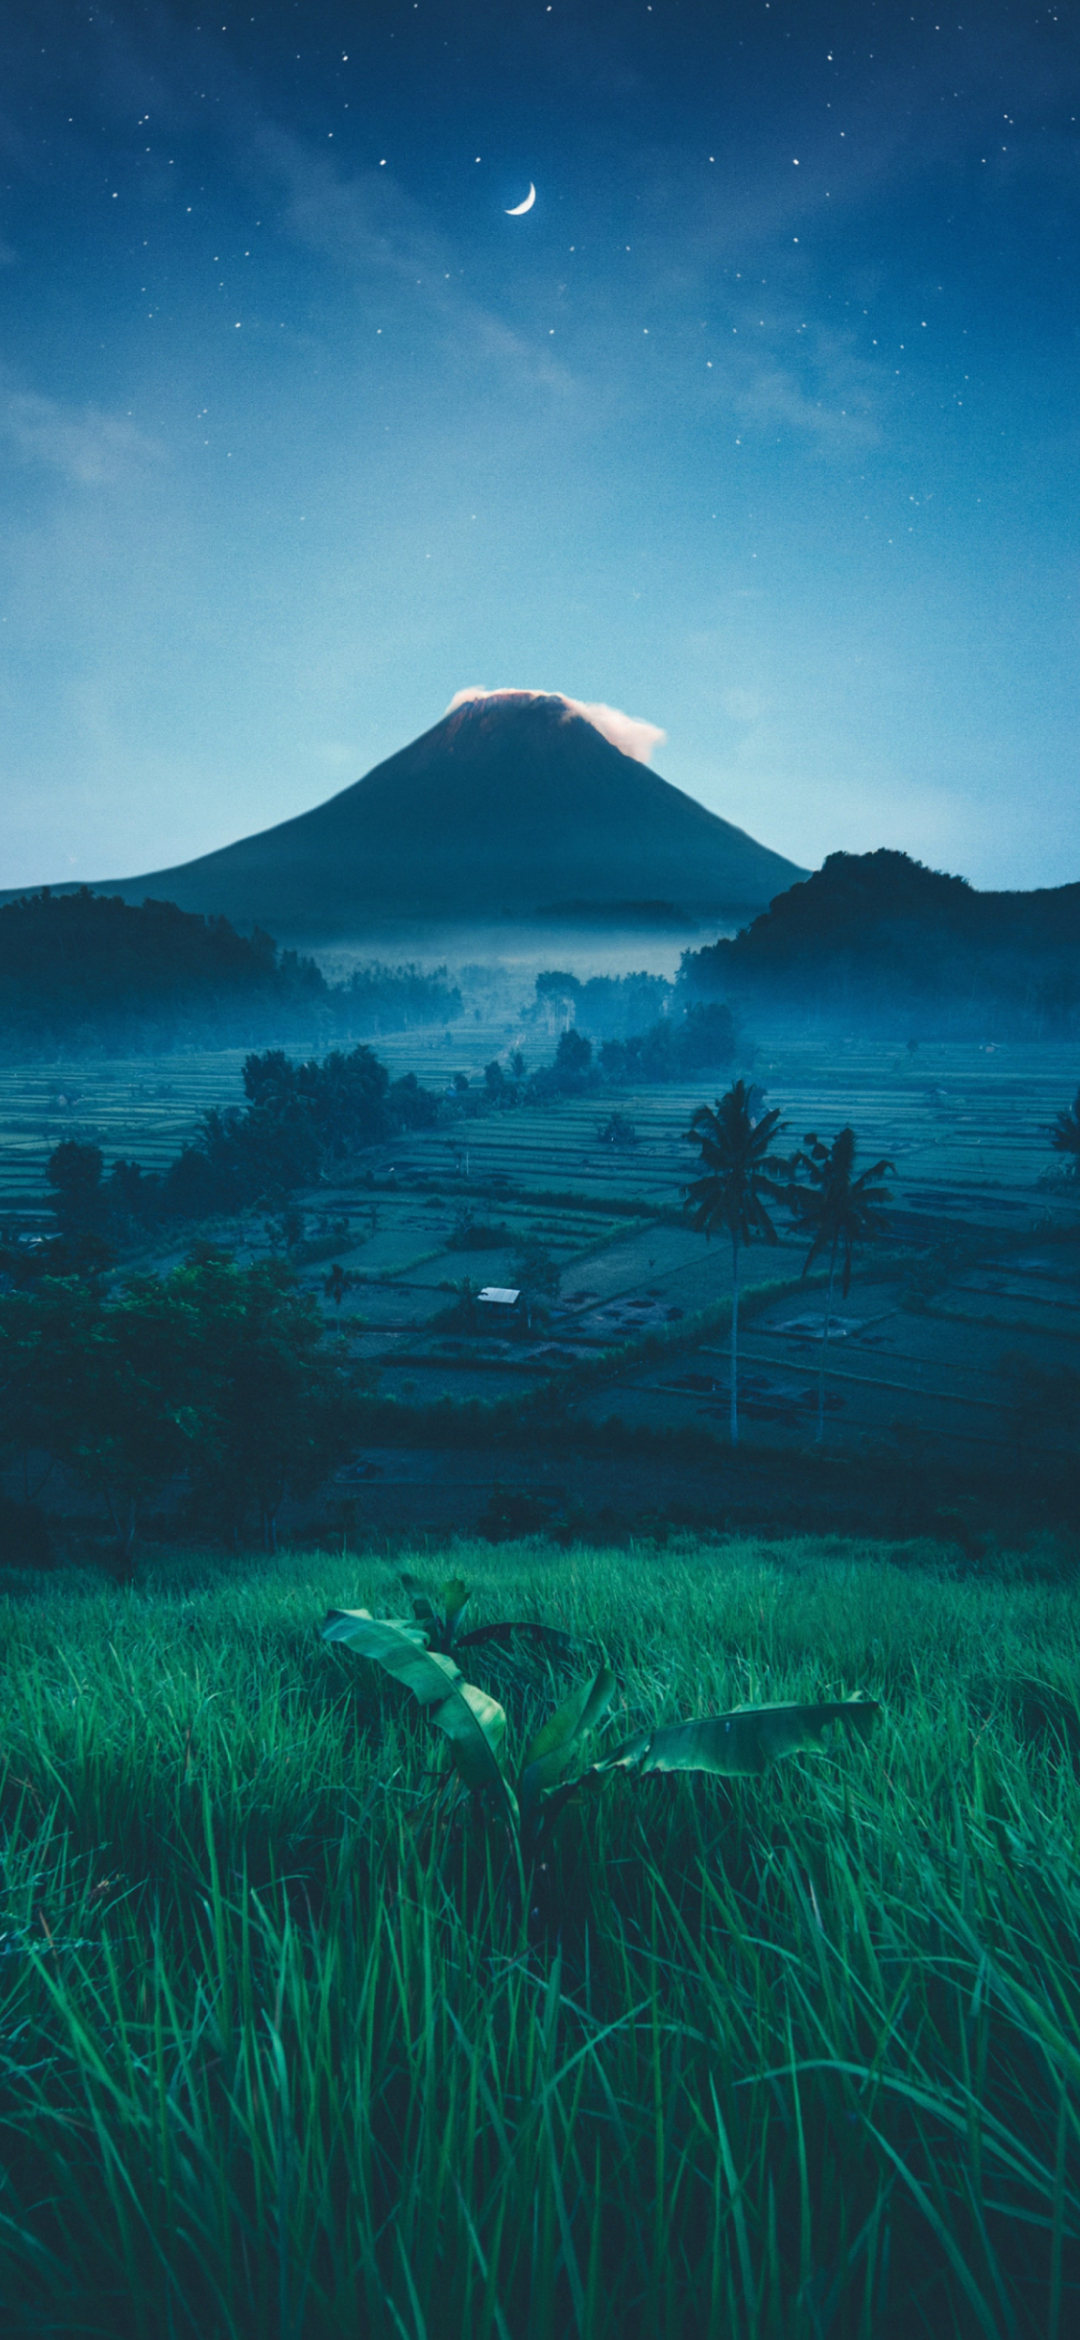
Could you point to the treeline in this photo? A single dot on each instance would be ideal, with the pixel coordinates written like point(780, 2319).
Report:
point(87, 973)
point(393, 999)
point(299, 1121)
point(302, 1121)
point(607, 1007)
point(877, 940)
point(636, 1028)
point(706, 1038)
point(215, 1388)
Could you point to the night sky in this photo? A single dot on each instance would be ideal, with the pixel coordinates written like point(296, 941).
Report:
point(761, 424)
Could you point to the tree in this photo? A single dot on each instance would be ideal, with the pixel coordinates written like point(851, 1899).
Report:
point(736, 1182)
point(286, 1407)
point(133, 1396)
point(218, 1374)
point(841, 1211)
point(74, 1172)
point(339, 1282)
point(42, 1326)
point(573, 1061)
point(536, 1274)
point(1065, 1137)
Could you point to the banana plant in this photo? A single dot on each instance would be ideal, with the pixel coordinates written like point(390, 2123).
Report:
point(742, 1743)
point(474, 1723)
point(441, 1620)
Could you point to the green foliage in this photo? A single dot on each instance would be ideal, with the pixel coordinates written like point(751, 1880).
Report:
point(573, 1062)
point(338, 1282)
point(704, 1037)
point(617, 1130)
point(737, 1180)
point(214, 1377)
point(74, 1173)
point(472, 1234)
point(392, 999)
point(96, 972)
point(131, 1405)
point(550, 1754)
point(742, 1743)
point(534, 1271)
point(835, 1208)
point(474, 1723)
point(440, 1620)
point(282, 2055)
point(101, 972)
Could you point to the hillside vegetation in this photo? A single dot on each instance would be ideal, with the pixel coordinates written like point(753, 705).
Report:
point(91, 974)
point(884, 945)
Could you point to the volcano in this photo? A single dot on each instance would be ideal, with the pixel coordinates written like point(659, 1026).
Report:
point(513, 808)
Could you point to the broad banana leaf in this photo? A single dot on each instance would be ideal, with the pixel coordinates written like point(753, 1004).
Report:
point(551, 1750)
point(474, 1723)
point(743, 1742)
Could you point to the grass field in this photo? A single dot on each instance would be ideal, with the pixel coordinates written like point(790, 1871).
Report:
point(286, 2056)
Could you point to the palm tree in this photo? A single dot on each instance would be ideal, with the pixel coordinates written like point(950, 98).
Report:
point(841, 1211)
point(731, 1193)
point(1065, 1137)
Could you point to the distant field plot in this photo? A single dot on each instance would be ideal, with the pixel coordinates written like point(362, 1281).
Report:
point(936, 1374)
point(142, 1107)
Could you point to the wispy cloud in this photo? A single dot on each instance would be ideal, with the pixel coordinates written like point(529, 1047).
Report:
point(88, 446)
point(367, 224)
point(837, 408)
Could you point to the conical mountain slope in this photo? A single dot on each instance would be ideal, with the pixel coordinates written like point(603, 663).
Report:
point(512, 807)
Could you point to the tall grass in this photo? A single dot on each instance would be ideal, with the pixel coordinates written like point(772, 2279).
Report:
point(284, 2056)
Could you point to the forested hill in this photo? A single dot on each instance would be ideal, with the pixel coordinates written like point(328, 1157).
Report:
point(884, 943)
point(86, 972)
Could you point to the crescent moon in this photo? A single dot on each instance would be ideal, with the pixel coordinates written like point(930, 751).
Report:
point(526, 206)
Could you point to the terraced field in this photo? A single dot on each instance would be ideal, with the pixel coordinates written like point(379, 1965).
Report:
point(965, 1124)
point(909, 1362)
point(139, 1106)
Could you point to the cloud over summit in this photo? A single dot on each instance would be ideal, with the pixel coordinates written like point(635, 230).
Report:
point(629, 733)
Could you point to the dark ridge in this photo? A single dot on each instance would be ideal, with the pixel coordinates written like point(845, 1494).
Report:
point(881, 941)
point(83, 972)
point(96, 966)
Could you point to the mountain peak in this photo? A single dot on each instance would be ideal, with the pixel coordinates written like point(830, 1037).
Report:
point(629, 733)
point(515, 806)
